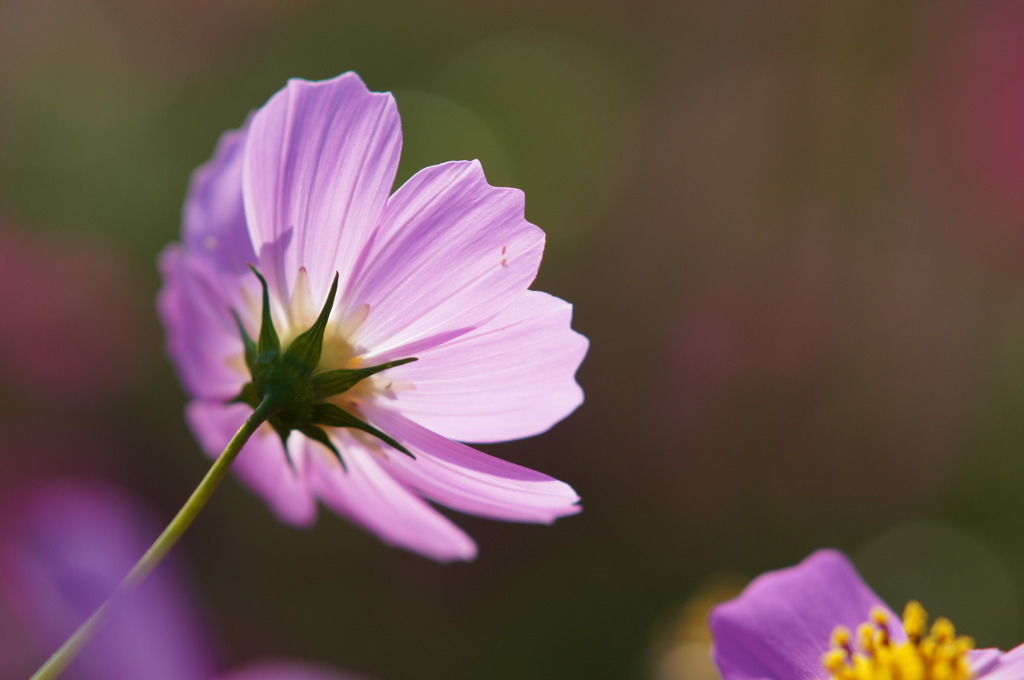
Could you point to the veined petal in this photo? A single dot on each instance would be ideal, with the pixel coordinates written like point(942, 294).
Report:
point(511, 378)
point(1008, 666)
point(430, 270)
point(262, 462)
point(286, 670)
point(365, 493)
point(214, 221)
point(320, 161)
point(201, 336)
point(451, 253)
point(984, 660)
point(782, 624)
point(467, 480)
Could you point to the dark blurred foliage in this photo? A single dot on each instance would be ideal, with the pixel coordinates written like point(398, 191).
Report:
point(793, 232)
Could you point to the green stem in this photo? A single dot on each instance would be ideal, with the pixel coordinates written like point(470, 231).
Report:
point(56, 664)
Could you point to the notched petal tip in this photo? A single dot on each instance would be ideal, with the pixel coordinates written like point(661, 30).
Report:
point(346, 79)
point(461, 478)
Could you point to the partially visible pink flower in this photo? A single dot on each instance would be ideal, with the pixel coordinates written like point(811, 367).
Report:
point(809, 622)
point(63, 549)
point(437, 271)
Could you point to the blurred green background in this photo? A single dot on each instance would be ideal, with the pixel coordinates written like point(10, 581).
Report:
point(794, 233)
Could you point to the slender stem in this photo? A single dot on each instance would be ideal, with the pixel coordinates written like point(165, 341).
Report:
point(56, 664)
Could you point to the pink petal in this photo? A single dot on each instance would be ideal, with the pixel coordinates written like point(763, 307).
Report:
point(209, 276)
point(470, 481)
point(320, 161)
point(366, 494)
point(451, 253)
point(1008, 666)
point(201, 336)
point(214, 222)
point(262, 463)
point(285, 670)
point(511, 378)
point(782, 624)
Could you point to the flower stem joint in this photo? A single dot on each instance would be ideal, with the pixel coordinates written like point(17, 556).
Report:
point(287, 385)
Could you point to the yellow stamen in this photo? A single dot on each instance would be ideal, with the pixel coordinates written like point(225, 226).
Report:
point(943, 630)
point(915, 620)
point(879, 617)
point(835, 661)
point(928, 654)
point(866, 636)
point(841, 638)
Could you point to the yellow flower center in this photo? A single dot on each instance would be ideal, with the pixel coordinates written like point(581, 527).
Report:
point(935, 653)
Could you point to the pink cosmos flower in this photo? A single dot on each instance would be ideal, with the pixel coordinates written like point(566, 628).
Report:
point(820, 621)
point(64, 546)
point(437, 271)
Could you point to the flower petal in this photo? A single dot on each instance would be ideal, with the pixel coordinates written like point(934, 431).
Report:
point(262, 462)
point(366, 494)
point(209, 277)
point(511, 378)
point(214, 222)
point(451, 253)
point(1008, 666)
point(65, 547)
point(781, 625)
point(320, 161)
point(285, 670)
point(470, 481)
point(201, 336)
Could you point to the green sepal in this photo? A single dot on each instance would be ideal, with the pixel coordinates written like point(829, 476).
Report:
point(285, 384)
point(247, 342)
point(268, 342)
point(307, 347)
point(339, 380)
point(249, 395)
point(318, 434)
point(334, 416)
point(283, 433)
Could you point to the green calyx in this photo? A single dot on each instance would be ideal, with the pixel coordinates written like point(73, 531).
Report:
point(288, 382)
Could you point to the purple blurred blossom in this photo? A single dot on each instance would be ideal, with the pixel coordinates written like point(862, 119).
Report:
point(781, 626)
point(64, 546)
point(439, 270)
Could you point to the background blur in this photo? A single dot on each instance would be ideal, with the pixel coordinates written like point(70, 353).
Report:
point(793, 232)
